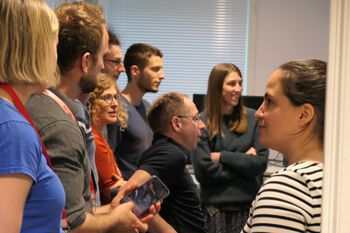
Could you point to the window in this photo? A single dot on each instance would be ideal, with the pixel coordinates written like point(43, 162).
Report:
point(55, 3)
point(194, 36)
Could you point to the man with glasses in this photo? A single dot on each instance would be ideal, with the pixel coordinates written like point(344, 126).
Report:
point(177, 127)
point(113, 59)
point(144, 69)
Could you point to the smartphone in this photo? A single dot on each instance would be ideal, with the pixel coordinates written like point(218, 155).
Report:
point(147, 195)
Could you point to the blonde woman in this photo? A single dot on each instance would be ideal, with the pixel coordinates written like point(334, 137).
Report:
point(106, 108)
point(32, 197)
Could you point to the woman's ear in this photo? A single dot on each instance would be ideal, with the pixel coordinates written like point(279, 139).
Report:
point(307, 113)
point(85, 62)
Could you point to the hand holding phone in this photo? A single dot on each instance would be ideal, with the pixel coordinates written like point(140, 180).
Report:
point(147, 195)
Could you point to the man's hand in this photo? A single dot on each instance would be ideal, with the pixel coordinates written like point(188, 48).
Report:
point(124, 190)
point(126, 220)
point(119, 184)
point(153, 210)
point(215, 156)
point(251, 151)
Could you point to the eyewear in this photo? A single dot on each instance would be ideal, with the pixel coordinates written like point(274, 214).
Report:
point(109, 98)
point(115, 62)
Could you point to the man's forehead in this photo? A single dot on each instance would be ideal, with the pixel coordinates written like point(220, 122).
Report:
point(154, 60)
point(189, 106)
point(114, 52)
point(104, 43)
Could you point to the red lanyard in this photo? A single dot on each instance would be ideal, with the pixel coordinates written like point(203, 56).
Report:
point(20, 107)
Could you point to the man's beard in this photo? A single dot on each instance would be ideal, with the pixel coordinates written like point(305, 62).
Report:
point(87, 84)
point(144, 85)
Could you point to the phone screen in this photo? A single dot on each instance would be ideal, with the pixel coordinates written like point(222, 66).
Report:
point(147, 195)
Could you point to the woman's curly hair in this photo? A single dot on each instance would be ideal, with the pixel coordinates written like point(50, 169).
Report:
point(104, 81)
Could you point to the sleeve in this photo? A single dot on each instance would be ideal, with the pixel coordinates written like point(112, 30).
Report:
point(246, 165)
point(106, 166)
point(63, 142)
point(206, 171)
point(113, 130)
point(164, 162)
point(283, 204)
point(114, 135)
point(20, 150)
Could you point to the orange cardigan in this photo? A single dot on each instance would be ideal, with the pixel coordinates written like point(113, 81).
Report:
point(108, 171)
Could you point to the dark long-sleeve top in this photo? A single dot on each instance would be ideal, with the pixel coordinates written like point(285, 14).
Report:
point(233, 182)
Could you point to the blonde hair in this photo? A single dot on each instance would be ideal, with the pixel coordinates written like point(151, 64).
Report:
point(105, 81)
point(27, 30)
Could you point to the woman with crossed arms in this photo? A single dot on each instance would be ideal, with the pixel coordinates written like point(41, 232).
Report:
point(229, 160)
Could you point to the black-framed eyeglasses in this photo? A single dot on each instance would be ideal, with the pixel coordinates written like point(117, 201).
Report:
point(195, 118)
point(109, 98)
point(116, 62)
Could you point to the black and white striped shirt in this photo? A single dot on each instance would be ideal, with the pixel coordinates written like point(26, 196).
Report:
point(290, 201)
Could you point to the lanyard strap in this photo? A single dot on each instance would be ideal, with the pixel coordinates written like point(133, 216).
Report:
point(67, 110)
point(60, 103)
point(20, 107)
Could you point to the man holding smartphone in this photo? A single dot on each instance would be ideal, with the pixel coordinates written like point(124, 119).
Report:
point(176, 125)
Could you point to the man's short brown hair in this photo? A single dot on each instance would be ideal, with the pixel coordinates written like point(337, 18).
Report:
point(163, 109)
point(81, 31)
point(139, 54)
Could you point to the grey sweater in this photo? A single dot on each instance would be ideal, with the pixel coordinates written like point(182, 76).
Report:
point(233, 182)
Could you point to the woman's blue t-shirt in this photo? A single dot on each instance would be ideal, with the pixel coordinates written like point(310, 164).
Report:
point(21, 153)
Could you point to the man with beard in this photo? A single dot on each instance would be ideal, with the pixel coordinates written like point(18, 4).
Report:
point(144, 69)
point(83, 41)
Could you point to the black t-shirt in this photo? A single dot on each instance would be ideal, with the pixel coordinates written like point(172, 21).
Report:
point(181, 209)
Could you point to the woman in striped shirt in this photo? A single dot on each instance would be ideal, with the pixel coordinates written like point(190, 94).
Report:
point(291, 120)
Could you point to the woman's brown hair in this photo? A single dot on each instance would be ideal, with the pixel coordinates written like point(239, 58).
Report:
point(238, 122)
point(304, 81)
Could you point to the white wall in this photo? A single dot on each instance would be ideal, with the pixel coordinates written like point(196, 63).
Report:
point(280, 31)
point(336, 189)
point(284, 30)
